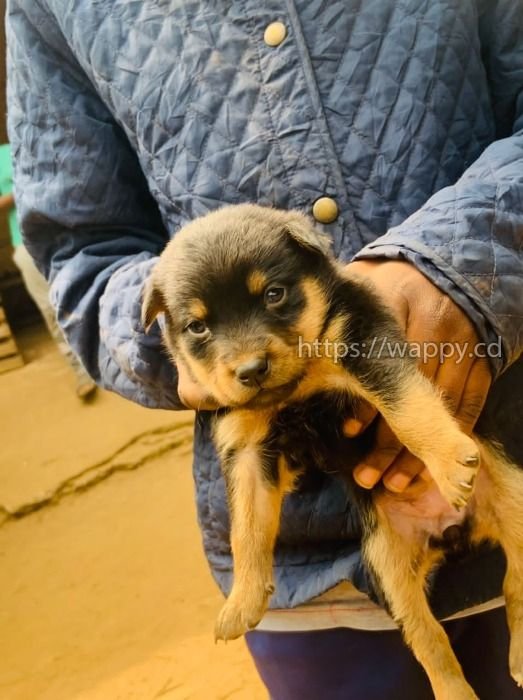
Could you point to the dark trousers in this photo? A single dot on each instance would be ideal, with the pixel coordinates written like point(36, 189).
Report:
point(345, 664)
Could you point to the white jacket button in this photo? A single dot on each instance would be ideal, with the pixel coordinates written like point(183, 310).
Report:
point(275, 33)
point(325, 210)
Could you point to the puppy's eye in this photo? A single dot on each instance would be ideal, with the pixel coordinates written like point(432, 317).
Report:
point(197, 328)
point(275, 296)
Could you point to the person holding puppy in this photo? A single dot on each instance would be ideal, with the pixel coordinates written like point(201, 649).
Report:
point(35, 284)
point(399, 128)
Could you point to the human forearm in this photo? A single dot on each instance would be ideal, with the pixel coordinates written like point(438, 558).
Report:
point(87, 215)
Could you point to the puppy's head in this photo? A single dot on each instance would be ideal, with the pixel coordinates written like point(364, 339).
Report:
point(241, 289)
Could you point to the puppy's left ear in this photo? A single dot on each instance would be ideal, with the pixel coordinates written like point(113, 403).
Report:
point(152, 304)
point(302, 231)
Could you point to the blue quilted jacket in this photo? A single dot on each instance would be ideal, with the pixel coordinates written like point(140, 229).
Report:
point(129, 118)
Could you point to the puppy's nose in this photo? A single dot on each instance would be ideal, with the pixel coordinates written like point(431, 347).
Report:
point(253, 371)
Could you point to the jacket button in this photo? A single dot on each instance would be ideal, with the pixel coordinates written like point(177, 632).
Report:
point(325, 210)
point(275, 33)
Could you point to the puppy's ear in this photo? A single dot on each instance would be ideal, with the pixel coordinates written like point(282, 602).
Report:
point(305, 235)
point(152, 304)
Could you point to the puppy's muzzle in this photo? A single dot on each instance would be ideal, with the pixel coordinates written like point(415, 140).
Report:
point(253, 372)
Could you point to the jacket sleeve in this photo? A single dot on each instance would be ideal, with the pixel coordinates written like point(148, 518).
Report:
point(86, 213)
point(468, 238)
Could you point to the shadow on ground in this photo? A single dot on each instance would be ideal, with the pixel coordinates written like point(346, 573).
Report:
point(104, 591)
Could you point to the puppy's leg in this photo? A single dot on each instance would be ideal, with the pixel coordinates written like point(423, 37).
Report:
point(498, 516)
point(513, 590)
point(401, 568)
point(422, 422)
point(255, 499)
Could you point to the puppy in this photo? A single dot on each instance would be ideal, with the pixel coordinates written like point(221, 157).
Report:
point(247, 292)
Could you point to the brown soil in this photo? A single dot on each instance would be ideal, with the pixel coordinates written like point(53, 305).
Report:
point(104, 591)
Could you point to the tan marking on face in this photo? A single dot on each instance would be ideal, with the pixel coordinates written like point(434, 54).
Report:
point(200, 372)
point(197, 309)
point(286, 363)
point(336, 330)
point(256, 282)
point(216, 377)
point(310, 323)
point(243, 357)
point(219, 375)
point(324, 364)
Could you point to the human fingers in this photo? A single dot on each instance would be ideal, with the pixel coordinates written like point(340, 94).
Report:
point(387, 448)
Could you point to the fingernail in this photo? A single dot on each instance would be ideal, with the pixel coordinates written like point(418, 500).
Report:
point(367, 476)
point(352, 427)
point(398, 482)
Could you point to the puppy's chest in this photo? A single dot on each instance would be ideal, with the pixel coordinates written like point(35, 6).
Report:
point(309, 434)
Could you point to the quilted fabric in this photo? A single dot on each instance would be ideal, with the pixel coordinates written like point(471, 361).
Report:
point(128, 118)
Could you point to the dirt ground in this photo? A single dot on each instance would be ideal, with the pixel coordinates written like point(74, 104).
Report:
point(104, 590)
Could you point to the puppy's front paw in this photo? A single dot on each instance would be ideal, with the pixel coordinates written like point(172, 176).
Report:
point(516, 661)
point(454, 469)
point(458, 691)
point(517, 675)
point(241, 613)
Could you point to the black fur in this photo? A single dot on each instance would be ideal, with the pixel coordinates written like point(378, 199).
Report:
point(216, 274)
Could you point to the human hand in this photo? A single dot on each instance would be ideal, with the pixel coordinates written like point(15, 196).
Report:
point(426, 315)
point(192, 394)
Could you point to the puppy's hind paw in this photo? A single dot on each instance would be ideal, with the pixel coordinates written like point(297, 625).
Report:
point(232, 623)
point(516, 665)
point(518, 677)
point(238, 616)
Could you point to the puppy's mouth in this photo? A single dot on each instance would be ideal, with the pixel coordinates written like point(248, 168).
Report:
point(272, 396)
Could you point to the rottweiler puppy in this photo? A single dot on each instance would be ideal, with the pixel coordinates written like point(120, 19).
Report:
point(257, 309)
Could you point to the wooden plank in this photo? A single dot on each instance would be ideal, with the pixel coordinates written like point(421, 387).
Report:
point(8, 347)
point(10, 358)
point(5, 331)
point(9, 363)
